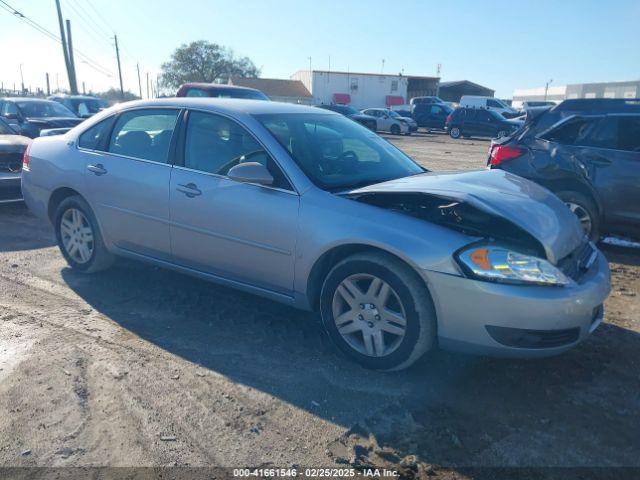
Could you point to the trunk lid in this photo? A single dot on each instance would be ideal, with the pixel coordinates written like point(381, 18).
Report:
point(523, 203)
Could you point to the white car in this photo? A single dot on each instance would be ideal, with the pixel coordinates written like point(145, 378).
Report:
point(390, 121)
point(488, 103)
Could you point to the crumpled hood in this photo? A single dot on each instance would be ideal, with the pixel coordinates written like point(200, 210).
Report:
point(407, 119)
point(523, 203)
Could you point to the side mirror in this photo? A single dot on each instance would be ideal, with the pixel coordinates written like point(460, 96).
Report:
point(251, 172)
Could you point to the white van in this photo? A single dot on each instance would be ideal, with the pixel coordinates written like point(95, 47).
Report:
point(489, 103)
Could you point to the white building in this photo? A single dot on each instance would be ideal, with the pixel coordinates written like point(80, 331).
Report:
point(629, 90)
point(360, 90)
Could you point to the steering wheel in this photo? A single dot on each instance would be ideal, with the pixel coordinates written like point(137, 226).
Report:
point(346, 162)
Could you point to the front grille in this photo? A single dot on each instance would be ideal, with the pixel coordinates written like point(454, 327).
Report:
point(524, 338)
point(577, 263)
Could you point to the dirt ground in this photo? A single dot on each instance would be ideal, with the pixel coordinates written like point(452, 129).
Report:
point(139, 366)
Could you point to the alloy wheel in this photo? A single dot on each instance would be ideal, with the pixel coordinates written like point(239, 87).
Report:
point(369, 315)
point(77, 235)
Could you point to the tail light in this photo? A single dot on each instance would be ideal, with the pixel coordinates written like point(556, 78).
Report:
point(449, 117)
point(25, 158)
point(503, 153)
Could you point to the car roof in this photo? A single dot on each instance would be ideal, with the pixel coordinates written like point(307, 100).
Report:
point(216, 86)
point(599, 105)
point(228, 105)
point(79, 97)
point(24, 99)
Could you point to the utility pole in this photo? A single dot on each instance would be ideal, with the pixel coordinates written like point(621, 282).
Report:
point(139, 82)
point(21, 81)
point(72, 62)
point(115, 38)
point(546, 89)
point(48, 86)
point(382, 69)
point(84, 91)
point(148, 85)
point(65, 52)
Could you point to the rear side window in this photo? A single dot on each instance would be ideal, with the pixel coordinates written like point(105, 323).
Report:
point(629, 134)
point(196, 92)
point(144, 134)
point(94, 138)
point(494, 104)
point(572, 132)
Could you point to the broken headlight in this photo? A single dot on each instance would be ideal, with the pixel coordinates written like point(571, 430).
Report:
point(499, 264)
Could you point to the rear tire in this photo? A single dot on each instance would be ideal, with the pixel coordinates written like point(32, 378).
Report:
point(395, 130)
point(586, 211)
point(396, 315)
point(79, 237)
point(455, 132)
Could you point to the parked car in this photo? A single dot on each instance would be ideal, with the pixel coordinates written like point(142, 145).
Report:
point(390, 121)
point(28, 116)
point(83, 106)
point(426, 100)
point(304, 207)
point(431, 116)
point(219, 91)
point(489, 103)
point(535, 104)
point(350, 112)
point(478, 122)
point(12, 147)
point(588, 153)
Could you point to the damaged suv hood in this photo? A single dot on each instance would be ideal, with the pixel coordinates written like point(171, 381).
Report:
point(525, 204)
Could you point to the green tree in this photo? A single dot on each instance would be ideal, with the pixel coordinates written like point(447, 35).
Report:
point(113, 96)
point(203, 61)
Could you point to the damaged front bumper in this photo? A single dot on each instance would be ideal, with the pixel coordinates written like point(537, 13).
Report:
point(516, 320)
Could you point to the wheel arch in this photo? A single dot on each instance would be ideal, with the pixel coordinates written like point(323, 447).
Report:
point(563, 185)
point(331, 257)
point(57, 197)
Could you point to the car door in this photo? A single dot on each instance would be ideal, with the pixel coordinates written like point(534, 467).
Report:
point(437, 117)
point(239, 231)
point(127, 179)
point(377, 114)
point(485, 124)
point(611, 152)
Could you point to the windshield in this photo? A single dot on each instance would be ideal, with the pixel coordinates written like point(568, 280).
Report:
point(337, 153)
point(34, 109)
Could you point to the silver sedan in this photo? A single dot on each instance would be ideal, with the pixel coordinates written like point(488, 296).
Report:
point(306, 207)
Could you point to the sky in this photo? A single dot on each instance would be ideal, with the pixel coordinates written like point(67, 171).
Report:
point(497, 43)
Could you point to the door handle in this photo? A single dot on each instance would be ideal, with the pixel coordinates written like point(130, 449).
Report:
point(97, 169)
point(190, 190)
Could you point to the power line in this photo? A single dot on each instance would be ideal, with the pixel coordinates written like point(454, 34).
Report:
point(84, 24)
point(91, 23)
point(87, 59)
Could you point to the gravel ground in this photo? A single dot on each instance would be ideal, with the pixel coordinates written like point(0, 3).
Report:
point(139, 366)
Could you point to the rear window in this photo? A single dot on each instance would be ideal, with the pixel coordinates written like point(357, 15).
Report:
point(612, 132)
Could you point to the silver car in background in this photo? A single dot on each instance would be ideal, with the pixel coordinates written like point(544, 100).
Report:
point(306, 207)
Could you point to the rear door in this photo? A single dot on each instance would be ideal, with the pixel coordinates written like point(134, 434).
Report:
point(239, 231)
point(612, 153)
point(127, 179)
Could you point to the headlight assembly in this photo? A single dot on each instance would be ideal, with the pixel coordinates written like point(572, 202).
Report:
point(500, 264)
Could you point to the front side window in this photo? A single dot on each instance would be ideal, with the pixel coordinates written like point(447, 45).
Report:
point(5, 129)
point(8, 108)
point(94, 138)
point(144, 134)
point(494, 104)
point(215, 144)
point(336, 153)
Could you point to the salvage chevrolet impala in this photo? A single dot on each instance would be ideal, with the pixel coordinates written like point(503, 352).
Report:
point(306, 207)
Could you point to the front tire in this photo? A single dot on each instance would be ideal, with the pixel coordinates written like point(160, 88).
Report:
point(79, 237)
point(455, 132)
point(378, 311)
point(395, 130)
point(585, 209)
